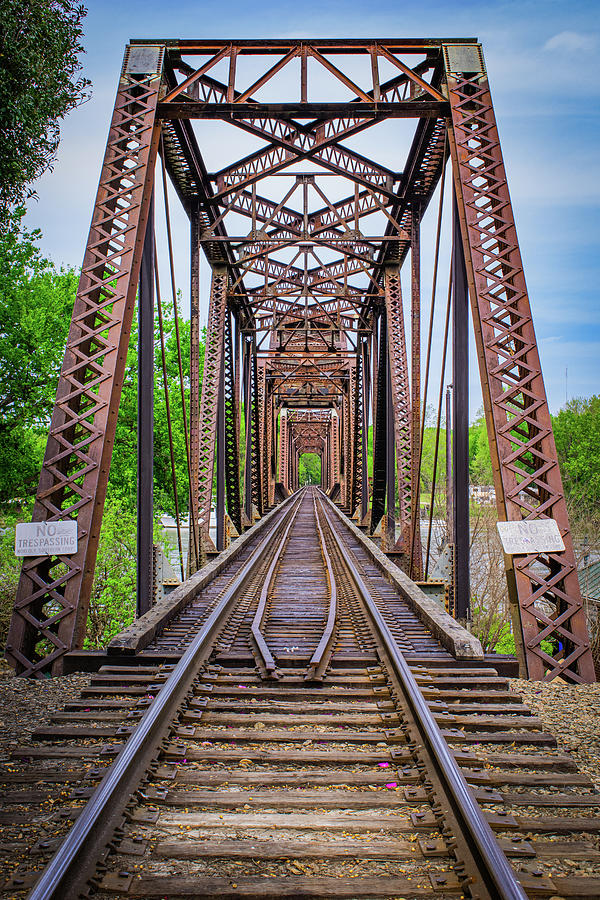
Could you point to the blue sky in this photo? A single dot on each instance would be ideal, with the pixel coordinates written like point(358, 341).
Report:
point(544, 70)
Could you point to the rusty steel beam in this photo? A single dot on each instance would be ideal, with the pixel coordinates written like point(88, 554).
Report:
point(544, 589)
point(209, 399)
point(53, 596)
point(415, 565)
point(145, 423)
point(408, 109)
point(400, 384)
point(308, 292)
point(196, 551)
point(231, 427)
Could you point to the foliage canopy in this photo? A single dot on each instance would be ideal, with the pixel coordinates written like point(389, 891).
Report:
point(40, 82)
point(309, 468)
point(35, 310)
point(577, 435)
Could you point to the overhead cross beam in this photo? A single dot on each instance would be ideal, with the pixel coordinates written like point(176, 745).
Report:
point(305, 333)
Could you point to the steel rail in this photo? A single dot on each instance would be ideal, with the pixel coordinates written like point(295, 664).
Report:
point(320, 658)
point(256, 627)
point(492, 865)
point(73, 865)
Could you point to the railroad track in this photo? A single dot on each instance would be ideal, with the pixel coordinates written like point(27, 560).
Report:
point(313, 740)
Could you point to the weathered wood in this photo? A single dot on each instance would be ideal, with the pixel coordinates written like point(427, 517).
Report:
point(305, 757)
point(303, 822)
point(559, 762)
point(283, 849)
point(500, 737)
point(289, 736)
point(579, 801)
point(375, 777)
point(558, 825)
point(297, 887)
point(378, 799)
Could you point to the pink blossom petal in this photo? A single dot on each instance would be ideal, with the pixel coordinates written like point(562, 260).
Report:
point(383, 765)
point(392, 784)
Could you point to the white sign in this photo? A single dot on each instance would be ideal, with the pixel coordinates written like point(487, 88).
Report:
point(46, 539)
point(532, 536)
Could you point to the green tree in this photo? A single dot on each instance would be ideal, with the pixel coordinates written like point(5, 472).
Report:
point(35, 310)
point(112, 604)
point(480, 461)
point(428, 456)
point(309, 468)
point(40, 83)
point(577, 435)
point(122, 485)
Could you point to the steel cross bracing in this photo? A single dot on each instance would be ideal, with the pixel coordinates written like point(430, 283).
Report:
point(53, 597)
point(306, 237)
point(528, 481)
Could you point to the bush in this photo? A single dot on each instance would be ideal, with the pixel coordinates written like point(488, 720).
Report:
point(112, 605)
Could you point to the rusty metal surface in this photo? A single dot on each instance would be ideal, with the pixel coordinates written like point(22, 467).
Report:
point(51, 606)
point(544, 587)
point(401, 399)
point(306, 237)
point(209, 398)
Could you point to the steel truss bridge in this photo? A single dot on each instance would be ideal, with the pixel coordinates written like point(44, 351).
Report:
point(306, 342)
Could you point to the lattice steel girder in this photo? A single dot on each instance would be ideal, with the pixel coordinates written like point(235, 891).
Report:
point(232, 456)
point(196, 556)
point(358, 436)
point(282, 454)
point(284, 218)
point(380, 423)
point(398, 362)
point(323, 150)
point(527, 477)
point(256, 458)
point(52, 600)
point(211, 386)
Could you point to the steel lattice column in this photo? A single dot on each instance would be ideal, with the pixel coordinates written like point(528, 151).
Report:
point(336, 477)
point(269, 461)
point(400, 398)
point(232, 456)
point(196, 552)
point(283, 448)
point(255, 457)
point(527, 477)
point(348, 407)
point(380, 429)
point(145, 423)
point(263, 420)
point(415, 411)
point(209, 400)
point(366, 368)
point(357, 435)
point(51, 606)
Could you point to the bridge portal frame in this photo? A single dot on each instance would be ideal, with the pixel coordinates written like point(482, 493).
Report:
point(448, 92)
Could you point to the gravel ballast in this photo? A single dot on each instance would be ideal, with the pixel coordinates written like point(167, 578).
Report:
point(572, 713)
point(27, 703)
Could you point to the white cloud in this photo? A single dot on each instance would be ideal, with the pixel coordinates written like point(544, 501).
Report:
point(570, 42)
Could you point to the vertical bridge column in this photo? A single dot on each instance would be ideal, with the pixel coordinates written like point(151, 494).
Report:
point(145, 423)
point(282, 455)
point(53, 596)
point(544, 589)
point(231, 427)
point(400, 400)
point(211, 396)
